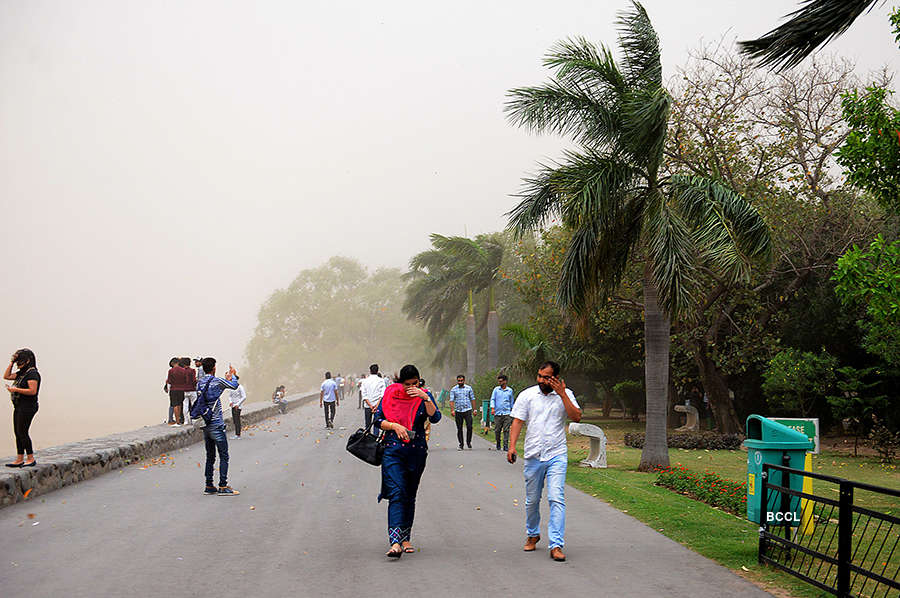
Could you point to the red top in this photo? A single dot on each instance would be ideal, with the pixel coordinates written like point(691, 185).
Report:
point(398, 407)
point(182, 379)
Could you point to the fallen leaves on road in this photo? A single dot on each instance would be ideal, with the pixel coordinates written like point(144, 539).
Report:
point(252, 508)
point(27, 492)
point(492, 486)
point(31, 515)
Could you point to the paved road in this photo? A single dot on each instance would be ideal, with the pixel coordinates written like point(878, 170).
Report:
point(307, 524)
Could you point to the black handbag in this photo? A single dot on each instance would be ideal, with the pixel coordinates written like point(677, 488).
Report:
point(366, 446)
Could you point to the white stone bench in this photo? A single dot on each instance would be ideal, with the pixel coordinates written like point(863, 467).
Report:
point(597, 456)
point(692, 423)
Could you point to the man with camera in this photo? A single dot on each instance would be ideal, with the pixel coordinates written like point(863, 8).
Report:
point(545, 408)
point(207, 410)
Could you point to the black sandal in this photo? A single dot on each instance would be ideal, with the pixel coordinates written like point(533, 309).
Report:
point(22, 464)
point(394, 554)
point(29, 464)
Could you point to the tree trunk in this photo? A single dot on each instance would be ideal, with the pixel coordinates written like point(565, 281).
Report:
point(493, 332)
point(470, 348)
point(716, 387)
point(673, 417)
point(657, 337)
point(607, 401)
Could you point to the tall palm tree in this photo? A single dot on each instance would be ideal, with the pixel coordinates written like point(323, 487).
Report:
point(813, 25)
point(442, 282)
point(611, 194)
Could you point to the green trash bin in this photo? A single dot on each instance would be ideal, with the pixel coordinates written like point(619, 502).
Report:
point(770, 442)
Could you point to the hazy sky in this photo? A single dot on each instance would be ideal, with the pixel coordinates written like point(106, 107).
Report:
point(164, 166)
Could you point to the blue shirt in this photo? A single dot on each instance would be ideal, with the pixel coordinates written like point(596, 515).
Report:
point(502, 400)
point(462, 398)
point(329, 389)
point(209, 400)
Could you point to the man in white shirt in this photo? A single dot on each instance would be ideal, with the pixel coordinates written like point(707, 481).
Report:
point(372, 388)
point(236, 399)
point(545, 408)
point(328, 395)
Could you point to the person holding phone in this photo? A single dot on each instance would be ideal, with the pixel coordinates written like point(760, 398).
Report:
point(402, 414)
point(545, 408)
point(24, 394)
point(209, 406)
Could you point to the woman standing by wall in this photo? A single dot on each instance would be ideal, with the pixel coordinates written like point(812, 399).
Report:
point(402, 414)
point(24, 395)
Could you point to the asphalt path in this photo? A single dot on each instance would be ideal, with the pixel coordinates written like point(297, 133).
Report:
point(307, 524)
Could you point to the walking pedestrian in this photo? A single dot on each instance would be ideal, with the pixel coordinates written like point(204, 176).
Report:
point(328, 396)
point(171, 418)
point(461, 399)
point(402, 414)
point(209, 407)
point(189, 395)
point(372, 389)
point(339, 380)
point(237, 398)
point(544, 408)
point(501, 407)
point(24, 395)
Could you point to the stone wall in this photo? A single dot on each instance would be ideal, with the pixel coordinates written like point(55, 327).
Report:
point(66, 464)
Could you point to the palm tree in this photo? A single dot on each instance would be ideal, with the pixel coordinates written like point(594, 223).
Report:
point(442, 282)
point(809, 27)
point(611, 194)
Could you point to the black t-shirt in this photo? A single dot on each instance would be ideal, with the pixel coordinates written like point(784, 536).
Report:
point(22, 379)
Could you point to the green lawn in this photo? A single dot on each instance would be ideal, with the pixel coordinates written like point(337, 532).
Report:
point(729, 540)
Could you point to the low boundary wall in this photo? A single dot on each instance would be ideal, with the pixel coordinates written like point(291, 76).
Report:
point(74, 462)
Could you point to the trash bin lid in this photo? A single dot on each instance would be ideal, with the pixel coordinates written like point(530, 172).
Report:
point(764, 433)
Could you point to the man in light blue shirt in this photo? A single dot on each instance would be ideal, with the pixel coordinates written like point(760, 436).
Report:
point(461, 399)
point(329, 398)
point(501, 406)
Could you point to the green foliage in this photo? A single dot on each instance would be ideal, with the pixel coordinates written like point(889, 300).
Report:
point(871, 277)
point(336, 317)
point(484, 384)
point(794, 380)
point(691, 440)
point(708, 487)
point(858, 400)
point(884, 441)
point(871, 153)
point(631, 393)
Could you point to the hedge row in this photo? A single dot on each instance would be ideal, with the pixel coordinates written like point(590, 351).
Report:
point(691, 440)
point(708, 487)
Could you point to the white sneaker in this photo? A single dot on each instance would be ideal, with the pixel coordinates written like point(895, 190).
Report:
point(176, 425)
point(235, 437)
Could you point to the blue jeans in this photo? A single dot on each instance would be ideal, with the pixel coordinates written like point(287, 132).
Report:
point(215, 438)
point(554, 471)
point(401, 471)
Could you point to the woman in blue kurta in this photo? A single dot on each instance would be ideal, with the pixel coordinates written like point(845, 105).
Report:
point(402, 413)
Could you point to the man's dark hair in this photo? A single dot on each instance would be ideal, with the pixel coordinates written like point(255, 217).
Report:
point(550, 364)
point(185, 362)
point(373, 369)
point(208, 364)
point(502, 377)
point(458, 376)
point(173, 361)
point(408, 372)
point(25, 359)
point(327, 375)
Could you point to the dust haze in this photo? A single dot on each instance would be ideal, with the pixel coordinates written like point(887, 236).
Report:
point(166, 166)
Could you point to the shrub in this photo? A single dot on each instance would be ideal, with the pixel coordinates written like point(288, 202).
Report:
point(883, 440)
point(691, 440)
point(707, 487)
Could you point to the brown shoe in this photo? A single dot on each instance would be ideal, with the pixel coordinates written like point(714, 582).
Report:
point(557, 555)
point(531, 543)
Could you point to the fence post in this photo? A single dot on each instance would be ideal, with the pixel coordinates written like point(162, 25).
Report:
point(845, 539)
point(764, 510)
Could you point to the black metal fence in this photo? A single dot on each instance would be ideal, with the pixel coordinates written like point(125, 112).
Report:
point(827, 539)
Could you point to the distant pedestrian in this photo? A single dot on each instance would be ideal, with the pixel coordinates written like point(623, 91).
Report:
point(501, 407)
point(209, 407)
point(24, 395)
point(339, 380)
point(372, 389)
point(279, 399)
point(180, 380)
point(189, 395)
point(236, 400)
point(544, 408)
point(402, 414)
point(461, 399)
point(171, 419)
point(329, 398)
point(359, 381)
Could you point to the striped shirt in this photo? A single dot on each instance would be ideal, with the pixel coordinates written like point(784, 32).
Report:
point(462, 398)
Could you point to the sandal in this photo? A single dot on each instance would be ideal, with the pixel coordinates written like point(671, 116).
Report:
point(409, 550)
point(394, 554)
point(22, 464)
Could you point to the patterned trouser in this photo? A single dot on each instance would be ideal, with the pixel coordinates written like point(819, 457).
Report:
point(398, 535)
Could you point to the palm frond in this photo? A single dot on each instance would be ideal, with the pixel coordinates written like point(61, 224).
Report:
point(729, 232)
point(645, 120)
point(640, 47)
point(671, 257)
point(810, 27)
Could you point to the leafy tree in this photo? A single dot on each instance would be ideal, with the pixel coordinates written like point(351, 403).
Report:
point(795, 380)
point(858, 400)
point(871, 277)
point(810, 27)
point(336, 317)
point(611, 194)
point(871, 153)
